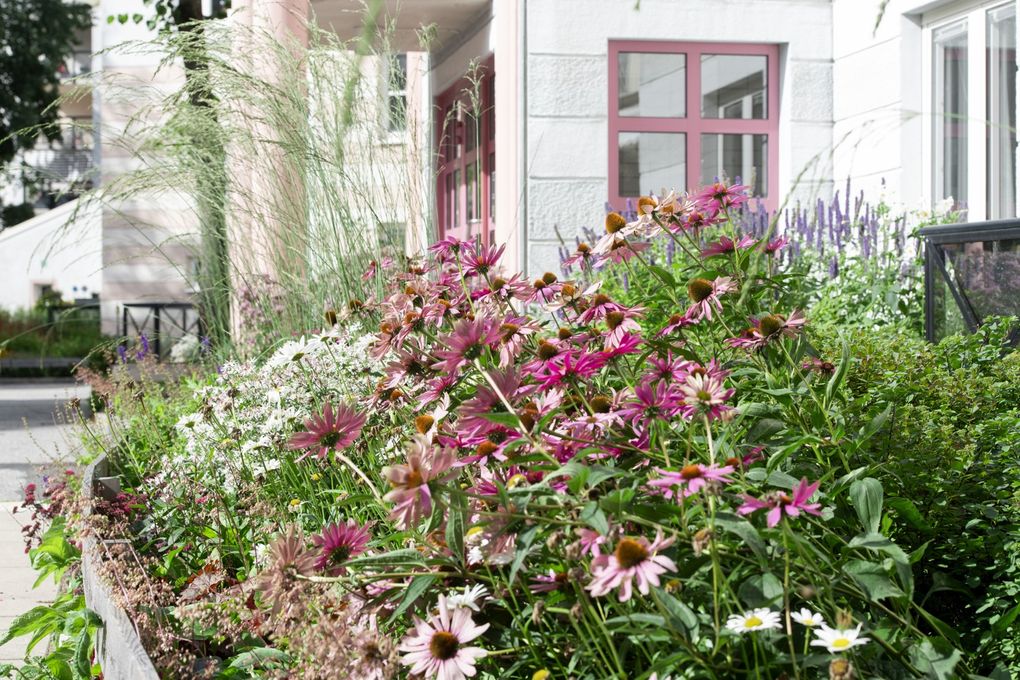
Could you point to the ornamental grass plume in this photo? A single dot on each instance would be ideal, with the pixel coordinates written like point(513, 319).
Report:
point(435, 648)
point(289, 558)
point(329, 431)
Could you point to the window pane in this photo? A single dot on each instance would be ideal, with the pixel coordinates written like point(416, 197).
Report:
point(473, 193)
point(470, 131)
point(652, 84)
point(734, 86)
point(451, 201)
point(398, 112)
point(456, 198)
point(733, 157)
point(1002, 113)
point(950, 88)
point(650, 161)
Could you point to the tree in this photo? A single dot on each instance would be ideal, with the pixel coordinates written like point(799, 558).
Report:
point(36, 36)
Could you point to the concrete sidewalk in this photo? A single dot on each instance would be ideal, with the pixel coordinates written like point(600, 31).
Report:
point(35, 440)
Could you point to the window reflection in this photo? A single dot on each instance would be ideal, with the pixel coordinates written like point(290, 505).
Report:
point(733, 86)
point(652, 84)
point(650, 161)
point(729, 156)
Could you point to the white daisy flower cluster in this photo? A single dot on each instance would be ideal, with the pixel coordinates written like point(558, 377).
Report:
point(835, 640)
point(246, 417)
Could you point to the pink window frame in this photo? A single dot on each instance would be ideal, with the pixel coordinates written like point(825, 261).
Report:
point(453, 131)
point(693, 125)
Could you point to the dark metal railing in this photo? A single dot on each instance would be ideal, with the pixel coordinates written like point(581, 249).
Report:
point(971, 272)
point(160, 323)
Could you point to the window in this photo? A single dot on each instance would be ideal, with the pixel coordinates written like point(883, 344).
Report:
point(683, 114)
point(466, 129)
point(396, 93)
point(972, 80)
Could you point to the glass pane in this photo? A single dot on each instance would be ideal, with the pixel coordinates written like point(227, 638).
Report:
point(736, 157)
point(470, 132)
point(398, 73)
point(1001, 77)
point(398, 112)
point(734, 85)
point(651, 161)
point(492, 107)
point(451, 200)
point(473, 196)
point(492, 187)
point(987, 274)
point(652, 84)
point(456, 198)
point(950, 87)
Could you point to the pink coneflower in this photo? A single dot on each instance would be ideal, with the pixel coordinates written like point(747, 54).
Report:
point(619, 324)
point(632, 559)
point(621, 250)
point(652, 401)
point(704, 295)
point(768, 328)
point(570, 366)
point(628, 343)
point(726, 245)
point(411, 495)
point(547, 583)
point(779, 503)
point(775, 245)
point(723, 197)
point(487, 400)
point(676, 322)
point(514, 332)
point(339, 543)
point(583, 256)
point(480, 260)
point(330, 431)
point(690, 479)
point(507, 289)
point(704, 394)
point(436, 647)
point(468, 340)
point(599, 305)
point(447, 249)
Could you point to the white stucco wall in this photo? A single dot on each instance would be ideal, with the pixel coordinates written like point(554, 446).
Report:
point(47, 250)
point(567, 89)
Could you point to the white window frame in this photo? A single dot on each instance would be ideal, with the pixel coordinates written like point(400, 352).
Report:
point(975, 13)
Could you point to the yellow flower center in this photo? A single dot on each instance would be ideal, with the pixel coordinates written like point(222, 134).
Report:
point(752, 622)
point(840, 643)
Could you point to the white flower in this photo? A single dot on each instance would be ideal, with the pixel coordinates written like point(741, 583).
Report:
point(838, 640)
point(469, 599)
point(189, 421)
point(806, 617)
point(756, 619)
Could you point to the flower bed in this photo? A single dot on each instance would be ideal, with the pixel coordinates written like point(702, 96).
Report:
point(515, 478)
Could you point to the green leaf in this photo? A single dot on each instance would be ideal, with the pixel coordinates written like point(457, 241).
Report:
point(82, 654)
point(761, 590)
point(878, 542)
point(873, 426)
point(419, 584)
point(503, 418)
point(257, 656)
point(455, 527)
point(744, 530)
point(935, 659)
point(29, 622)
point(872, 579)
point(408, 557)
point(909, 513)
point(866, 497)
point(663, 275)
point(593, 516)
point(1006, 620)
point(524, 541)
point(680, 616)
point(837, 377)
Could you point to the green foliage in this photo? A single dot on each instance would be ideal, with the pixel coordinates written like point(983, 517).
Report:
point(67, 624)
point(35, 38)
point(16, 214)
point(29, 333)
point(948, 459)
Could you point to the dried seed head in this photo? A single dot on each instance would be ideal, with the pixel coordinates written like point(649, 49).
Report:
point(423, 423)
point(841, 669)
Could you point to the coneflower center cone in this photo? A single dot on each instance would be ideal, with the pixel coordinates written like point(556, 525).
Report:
point(770, 324)
point(444, 645)
point(615, 222)
point(629, 553)
point(690, 471)
point(699, 289)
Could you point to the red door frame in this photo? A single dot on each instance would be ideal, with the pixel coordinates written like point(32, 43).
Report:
point(455, 158)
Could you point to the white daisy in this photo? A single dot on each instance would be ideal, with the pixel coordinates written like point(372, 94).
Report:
point(469, 599)
point(756, 619)
point(838, 640)
point(806, 617)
